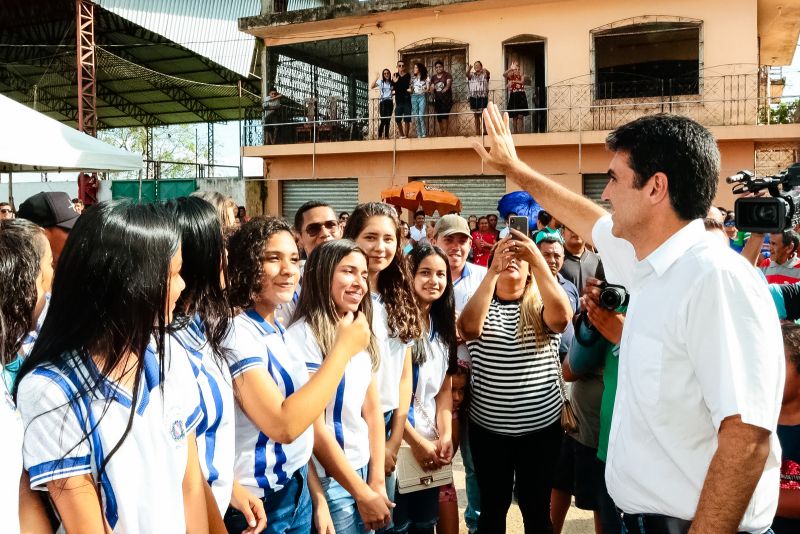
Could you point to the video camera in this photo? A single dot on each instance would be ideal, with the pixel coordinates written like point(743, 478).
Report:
point(767, 215)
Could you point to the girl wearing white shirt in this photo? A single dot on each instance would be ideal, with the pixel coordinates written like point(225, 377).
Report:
point(385, 107)
point(419, 89)
point(109, 404)
point(429, 427)
point(277, 402)
point(27, 267)
point(375, 227)
point(348, 437)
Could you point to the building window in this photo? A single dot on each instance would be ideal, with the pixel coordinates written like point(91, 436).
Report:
point(452, 53)
point(650, 59)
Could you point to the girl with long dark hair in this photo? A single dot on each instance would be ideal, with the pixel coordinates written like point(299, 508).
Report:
point(375, 227)
point(348, 437)
point(109, 403)
point(277, 402)
point(26, 273)
point(419, 89)
point(385, 86)
point(428, 430)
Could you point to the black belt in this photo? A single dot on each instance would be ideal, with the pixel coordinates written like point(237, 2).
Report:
point(656, 524)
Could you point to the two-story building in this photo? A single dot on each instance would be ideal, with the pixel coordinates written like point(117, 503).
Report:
point(587, 68)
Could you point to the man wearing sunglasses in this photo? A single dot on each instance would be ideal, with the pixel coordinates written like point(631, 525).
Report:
point(6, 211)
point(315, 223)
point(402, 99)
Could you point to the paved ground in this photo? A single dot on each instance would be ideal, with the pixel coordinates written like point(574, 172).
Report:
point(578, 521)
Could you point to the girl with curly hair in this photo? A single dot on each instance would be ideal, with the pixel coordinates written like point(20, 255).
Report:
point(26, 273)
point(277, 402)
point(375, 227)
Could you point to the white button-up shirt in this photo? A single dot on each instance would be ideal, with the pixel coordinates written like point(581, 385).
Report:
point(701, 342)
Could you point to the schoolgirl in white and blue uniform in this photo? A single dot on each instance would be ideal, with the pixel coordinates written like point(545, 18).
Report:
point(276, 402)
point(375, 227)
point(350, 435)
point(202, 320)
point(106, 397)
point(429, 426)
point(25, 272)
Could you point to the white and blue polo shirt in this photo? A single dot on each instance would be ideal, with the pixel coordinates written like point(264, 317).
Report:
point(215, 433)
point(343, 412)
point(392, 356)
point(463, 289)
point(68, 433)
point(427, 381)
point(262, 464)
point(10, 462)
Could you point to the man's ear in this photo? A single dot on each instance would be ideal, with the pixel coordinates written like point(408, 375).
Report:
point(659, 188)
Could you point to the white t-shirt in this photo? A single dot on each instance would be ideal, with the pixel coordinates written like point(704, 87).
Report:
point(701, 342)
point(10, 462)
point(262, 463)
point(393, 353)
point(215, 432)
point(343, 412)
point(428, 380)
point(142, 484)
point(463, 289)
point(420, 235)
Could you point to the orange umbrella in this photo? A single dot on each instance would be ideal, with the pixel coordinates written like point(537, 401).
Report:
point(417, 194)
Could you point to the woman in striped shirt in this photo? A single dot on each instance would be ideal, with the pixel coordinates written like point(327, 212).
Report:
point(512, 325)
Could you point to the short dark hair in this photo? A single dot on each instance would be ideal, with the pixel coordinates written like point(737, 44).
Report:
point(418, 213)
point(342, 214)
point(790, 237)
point(791, 343)
point(5, 204)
point(544, 218)
point(682, 149)
point(439, 62)
point(310, 205)
point(76, 200)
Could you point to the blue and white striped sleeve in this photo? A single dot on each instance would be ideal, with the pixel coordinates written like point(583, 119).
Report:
point(54, 445)
point(246, 352)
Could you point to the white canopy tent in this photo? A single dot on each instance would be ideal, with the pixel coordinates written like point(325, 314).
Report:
point(33, 142)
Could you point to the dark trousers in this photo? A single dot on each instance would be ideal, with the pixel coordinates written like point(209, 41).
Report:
point(499, 459)
point(385, 109)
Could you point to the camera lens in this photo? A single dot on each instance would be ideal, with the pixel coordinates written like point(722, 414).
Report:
point(610, 299)
point(765, 214)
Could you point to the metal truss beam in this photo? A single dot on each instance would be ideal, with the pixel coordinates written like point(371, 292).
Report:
point(87, 74)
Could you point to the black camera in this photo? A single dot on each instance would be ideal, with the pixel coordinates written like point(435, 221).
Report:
point(767, 215)
point(614, 297)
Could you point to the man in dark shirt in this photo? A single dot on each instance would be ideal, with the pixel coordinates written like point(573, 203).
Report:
point(580, 264)
point(402, 99)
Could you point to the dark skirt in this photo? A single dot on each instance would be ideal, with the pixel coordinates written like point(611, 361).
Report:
point(518, 104)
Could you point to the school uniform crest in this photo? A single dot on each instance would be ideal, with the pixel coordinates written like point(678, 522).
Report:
point(178, 430)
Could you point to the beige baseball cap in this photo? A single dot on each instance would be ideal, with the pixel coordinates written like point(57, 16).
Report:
point(452, 224)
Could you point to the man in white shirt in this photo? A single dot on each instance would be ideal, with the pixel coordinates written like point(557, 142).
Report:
point(419, 234)
point(693, 445)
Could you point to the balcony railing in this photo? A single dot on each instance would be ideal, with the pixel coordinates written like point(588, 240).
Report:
point(729, 100)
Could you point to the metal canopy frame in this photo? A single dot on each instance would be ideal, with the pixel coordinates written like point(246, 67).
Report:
point(129, 75)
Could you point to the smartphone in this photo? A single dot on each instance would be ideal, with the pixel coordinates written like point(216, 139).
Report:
point(520, 224)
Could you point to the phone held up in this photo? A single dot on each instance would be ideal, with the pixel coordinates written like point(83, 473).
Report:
point(520, 224)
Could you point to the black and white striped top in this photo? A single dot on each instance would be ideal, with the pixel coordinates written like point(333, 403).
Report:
point(514, 383)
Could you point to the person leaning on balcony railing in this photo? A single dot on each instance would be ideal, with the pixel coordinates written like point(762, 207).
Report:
point(478, 79)
point(517, 100)
point(442, 87)
point(402, 99)
point(385, 86)
point(272, 106)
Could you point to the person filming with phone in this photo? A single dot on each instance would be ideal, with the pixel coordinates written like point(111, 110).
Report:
point(512, 325)
point(693, 444)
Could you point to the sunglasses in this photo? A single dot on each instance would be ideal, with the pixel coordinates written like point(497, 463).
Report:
point(400, 65)
point(729, 224)
point(6, 210)
point(314, 229)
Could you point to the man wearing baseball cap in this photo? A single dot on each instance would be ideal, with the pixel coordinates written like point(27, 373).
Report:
point(54, 212)
point(451, 234)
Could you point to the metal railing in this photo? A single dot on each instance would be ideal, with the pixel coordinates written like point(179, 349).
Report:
point(729, 100)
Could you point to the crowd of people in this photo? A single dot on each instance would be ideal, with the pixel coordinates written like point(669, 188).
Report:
point(181, 367)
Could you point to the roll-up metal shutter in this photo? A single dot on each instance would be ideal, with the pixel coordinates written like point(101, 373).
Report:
point(478, 194)
point(341, 194)
point(593, 186)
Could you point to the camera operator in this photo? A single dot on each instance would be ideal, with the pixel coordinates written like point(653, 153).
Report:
point(693, 445)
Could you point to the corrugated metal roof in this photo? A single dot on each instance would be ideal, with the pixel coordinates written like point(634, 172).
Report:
point(207, 27)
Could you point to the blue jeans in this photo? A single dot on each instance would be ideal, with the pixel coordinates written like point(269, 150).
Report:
point(391, 478)
point(344, 513)
point(288, 510)
point(473, 510)
point(418, 108)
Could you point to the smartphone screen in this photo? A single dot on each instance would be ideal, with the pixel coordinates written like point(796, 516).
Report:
point(519, 223)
